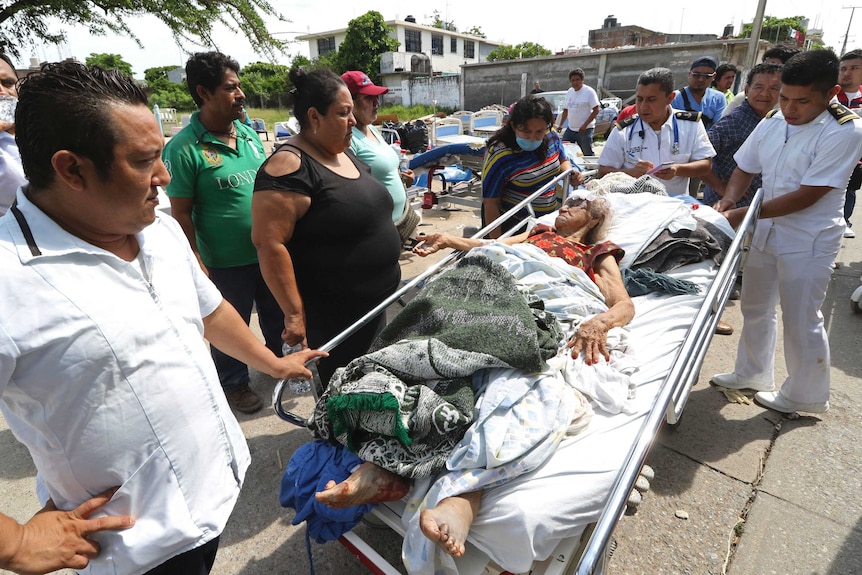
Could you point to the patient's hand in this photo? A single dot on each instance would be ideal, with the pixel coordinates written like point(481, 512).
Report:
point(432, 243)
point(591, 338)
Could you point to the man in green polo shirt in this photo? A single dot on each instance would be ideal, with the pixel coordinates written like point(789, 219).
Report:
point(213, 162)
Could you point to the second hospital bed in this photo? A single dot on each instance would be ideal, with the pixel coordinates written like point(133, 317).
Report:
point(576, 497)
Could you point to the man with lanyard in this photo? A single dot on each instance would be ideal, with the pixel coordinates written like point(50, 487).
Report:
point(850, 78)
point(806, 154)
point(105, 376)
point(670, 144)
point(213, 162)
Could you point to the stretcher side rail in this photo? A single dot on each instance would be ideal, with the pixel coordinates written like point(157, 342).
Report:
point(299, 421)
point(692, 350)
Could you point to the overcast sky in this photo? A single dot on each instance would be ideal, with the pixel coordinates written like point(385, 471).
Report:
point(551, 26)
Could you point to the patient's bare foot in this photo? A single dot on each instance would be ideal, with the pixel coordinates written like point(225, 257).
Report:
point(449, 523)
point(370, 483)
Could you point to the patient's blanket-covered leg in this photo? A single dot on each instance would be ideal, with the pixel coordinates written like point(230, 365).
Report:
point(407, 403)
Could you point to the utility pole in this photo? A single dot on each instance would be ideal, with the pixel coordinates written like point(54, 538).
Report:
point(847, 33)
point(756, 27)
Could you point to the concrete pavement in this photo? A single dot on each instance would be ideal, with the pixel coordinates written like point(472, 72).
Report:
point(764, 494)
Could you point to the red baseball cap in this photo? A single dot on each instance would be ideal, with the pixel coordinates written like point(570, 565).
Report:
point(359, 83)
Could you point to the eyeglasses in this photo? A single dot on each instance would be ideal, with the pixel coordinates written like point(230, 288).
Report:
point(700, 76)
point(575, 202)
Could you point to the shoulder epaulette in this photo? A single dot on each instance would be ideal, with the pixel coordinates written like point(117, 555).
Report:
point(627, 122)
point(842, 113)
point(771, 113)
point(692, 116)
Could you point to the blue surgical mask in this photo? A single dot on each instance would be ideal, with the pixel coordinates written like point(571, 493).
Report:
point(527, 145)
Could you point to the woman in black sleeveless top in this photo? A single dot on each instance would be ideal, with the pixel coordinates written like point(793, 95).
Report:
point(322, 225)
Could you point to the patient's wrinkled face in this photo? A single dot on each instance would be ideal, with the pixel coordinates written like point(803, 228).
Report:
point(574, 217)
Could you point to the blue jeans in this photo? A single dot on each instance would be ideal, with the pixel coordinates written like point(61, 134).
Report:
point(583, 140)
point(243, 287)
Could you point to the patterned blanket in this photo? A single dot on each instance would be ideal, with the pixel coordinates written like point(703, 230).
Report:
point(408, 402)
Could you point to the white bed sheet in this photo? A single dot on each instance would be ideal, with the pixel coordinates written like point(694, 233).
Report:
point(523, 521)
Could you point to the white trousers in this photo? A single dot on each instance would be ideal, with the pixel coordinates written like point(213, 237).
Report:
point(797, 282)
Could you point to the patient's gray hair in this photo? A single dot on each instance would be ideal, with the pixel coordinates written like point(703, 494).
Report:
point(599, 208)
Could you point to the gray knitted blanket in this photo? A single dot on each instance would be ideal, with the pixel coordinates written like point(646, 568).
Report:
point(408, 402)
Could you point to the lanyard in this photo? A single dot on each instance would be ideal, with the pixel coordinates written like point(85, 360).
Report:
point(674, 149)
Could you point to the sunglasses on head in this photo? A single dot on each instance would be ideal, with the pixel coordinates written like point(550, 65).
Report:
point(575, 202)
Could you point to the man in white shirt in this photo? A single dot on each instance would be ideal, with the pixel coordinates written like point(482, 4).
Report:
point(806, 154)
point(581, 108)
point(850, 78)
point(11, 172)
point(671, 144)
point(104, 373)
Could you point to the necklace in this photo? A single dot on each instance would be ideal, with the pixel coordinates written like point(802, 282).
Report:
point(231, 134)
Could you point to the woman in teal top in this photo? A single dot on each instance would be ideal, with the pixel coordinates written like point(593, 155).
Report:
point(368, 143)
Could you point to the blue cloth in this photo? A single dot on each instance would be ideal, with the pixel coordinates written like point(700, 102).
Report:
point(726, 136)
point(310, 468)
point(712, 104)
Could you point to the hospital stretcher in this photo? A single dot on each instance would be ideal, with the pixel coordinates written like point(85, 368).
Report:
point(680, 329)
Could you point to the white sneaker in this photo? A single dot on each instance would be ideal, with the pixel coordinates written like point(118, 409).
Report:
point(774, 400)
point(849, 233)
point(733, 381)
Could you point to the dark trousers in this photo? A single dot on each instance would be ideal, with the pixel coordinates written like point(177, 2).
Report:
point(243, 287)
point(584, 141)
point(198, 561)
point(324, 321)
point(850, 199)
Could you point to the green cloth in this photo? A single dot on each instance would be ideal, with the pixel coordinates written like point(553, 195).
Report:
point(407, 403)
point(221, 181)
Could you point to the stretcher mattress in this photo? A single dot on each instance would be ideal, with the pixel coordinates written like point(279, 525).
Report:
point(524, 520)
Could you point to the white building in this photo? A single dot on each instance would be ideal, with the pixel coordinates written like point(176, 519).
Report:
point(445, 50)
point(424, 51)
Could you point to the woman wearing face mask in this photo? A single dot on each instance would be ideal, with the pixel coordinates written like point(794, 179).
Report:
point(521, 157)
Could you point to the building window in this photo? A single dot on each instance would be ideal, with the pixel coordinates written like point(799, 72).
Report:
point(469, 49)
point(325, 45)
point(412, 40)
point(436, 44)
point(453, 45)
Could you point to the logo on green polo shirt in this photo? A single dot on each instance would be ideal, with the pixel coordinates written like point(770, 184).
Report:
point(211, 155)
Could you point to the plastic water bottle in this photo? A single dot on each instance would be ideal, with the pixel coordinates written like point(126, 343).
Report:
point(404, 163)
point(298, 385)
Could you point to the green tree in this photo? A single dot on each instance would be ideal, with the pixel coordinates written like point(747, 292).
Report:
point(776, 30)
point(109, 62)
point(522, 50)
point(367, 37)
point(263, 79)
point(475, 31)
point(24, 22)
point(438, 22)
point(165, 93)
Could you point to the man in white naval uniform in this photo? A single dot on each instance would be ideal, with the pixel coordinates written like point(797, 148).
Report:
point(806, 154)
point(658, 136)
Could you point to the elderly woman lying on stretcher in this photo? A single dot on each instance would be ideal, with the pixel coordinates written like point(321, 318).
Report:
point(574, 238)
